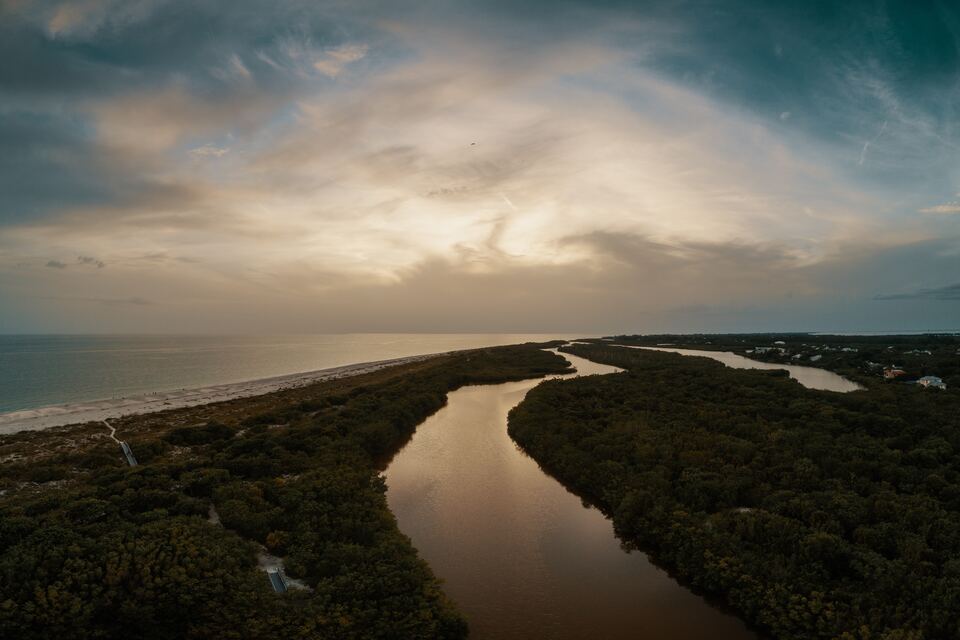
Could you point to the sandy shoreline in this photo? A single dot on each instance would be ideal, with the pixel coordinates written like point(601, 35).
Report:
point(79, 412)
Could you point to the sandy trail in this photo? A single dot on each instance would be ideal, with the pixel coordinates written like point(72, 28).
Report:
point(113, 431)
point(103, 410)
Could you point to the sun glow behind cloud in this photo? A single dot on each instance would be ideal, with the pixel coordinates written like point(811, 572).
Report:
point(410, 158)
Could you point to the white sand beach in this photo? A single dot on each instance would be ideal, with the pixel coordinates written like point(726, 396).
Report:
point(97, 410)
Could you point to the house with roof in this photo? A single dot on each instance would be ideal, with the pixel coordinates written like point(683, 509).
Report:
point(931, 382)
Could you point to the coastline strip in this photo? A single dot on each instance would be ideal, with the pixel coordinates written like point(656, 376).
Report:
point(101, 410)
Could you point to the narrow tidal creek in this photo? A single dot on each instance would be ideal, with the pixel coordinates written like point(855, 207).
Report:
point(519, 554)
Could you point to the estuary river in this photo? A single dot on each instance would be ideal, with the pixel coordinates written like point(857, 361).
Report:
point(811, 377)
point(520, 555)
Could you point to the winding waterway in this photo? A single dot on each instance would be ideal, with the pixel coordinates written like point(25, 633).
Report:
point(811, 377)
point(520, 555)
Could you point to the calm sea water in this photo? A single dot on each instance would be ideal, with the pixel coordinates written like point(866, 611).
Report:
point(37, 371)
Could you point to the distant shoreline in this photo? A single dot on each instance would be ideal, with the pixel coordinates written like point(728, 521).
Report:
point(60, 415)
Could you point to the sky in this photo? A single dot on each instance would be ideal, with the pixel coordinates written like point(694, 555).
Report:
point(301, 166)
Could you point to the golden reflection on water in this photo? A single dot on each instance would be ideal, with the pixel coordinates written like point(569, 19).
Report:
point(520, 555)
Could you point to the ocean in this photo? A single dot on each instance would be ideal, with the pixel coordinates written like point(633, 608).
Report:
point(42, 370)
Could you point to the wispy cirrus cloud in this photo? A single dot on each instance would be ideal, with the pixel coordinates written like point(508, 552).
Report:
point(332, 61)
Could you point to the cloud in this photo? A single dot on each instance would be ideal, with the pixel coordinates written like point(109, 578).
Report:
point(949, 292)
point(333, 61)
point(866, 145)
point(234, 69)
point(209, 151)
point(56, 264)
point(82, 18)
point(210, 157)
point(946, 208)
point(134, 301)
point(91, 261)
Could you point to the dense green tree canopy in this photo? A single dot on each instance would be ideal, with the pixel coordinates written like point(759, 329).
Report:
point(91, 548)
point(815, 514)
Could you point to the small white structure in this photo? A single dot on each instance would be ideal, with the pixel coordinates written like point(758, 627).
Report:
point(779, 342)
point(128, 453)
point(815, 358)
point(931, 382)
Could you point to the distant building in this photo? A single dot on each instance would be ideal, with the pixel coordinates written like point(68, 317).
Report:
point(931, 382)
point(891, 373)
point(779, 342)
point(816, 358)
point(762, 349)
point(849, 349)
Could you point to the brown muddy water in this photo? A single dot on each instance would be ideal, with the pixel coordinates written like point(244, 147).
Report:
point(519, 554)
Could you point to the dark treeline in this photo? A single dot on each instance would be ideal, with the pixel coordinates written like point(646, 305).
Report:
point(814, 514)
point(90, 548)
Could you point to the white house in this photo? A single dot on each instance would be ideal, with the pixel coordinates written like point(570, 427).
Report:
point(932, 382)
